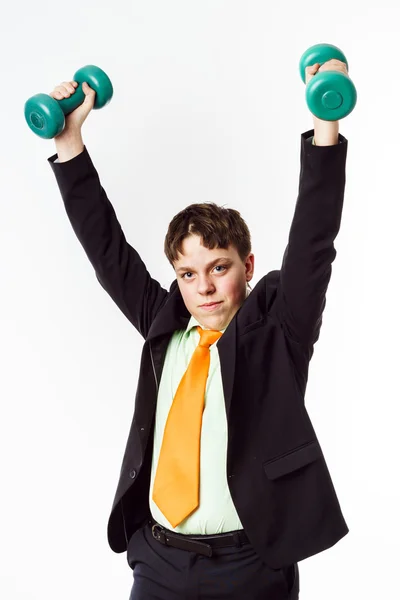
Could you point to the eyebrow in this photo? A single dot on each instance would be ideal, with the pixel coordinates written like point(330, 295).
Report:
point(211, 264)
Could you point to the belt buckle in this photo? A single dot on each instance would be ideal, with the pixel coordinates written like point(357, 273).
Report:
point(159, 534)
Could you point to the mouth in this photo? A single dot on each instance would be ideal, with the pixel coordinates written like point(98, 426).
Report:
point(210, 305)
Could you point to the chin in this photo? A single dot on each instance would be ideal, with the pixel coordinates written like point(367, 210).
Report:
point(215, 323)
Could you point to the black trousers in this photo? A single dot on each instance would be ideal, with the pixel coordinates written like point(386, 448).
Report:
point(165, 573)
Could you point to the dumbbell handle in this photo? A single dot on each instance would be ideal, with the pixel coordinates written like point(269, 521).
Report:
point(68, 105)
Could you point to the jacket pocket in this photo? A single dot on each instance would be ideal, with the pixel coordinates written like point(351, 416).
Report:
point(293, 460)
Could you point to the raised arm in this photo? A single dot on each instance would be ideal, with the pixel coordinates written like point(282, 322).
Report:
point(307, 262)
point(118, 267)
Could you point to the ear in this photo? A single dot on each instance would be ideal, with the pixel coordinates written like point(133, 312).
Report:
point(249, 264)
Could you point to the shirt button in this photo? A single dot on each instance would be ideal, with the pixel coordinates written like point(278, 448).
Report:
point(132, 474)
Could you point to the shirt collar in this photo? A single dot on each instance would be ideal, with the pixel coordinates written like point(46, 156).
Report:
point(194, 323)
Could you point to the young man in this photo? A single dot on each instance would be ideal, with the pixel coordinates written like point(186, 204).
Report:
point(223, 486)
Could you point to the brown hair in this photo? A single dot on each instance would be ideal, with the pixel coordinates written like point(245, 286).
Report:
point(217, 226)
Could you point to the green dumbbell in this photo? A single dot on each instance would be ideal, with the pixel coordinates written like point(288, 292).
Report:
point(46, 115)
point(330, 95)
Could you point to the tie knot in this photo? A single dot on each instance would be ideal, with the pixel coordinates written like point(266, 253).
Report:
point(208, 336)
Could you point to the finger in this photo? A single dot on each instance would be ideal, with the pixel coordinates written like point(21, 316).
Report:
point(312, 70)
point(339, 68)
point(59, 93)
point(337, 63)
point(68, 86)
point(64, 89)
point(87, 89)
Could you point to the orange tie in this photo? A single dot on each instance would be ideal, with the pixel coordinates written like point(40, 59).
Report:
point(176, 488)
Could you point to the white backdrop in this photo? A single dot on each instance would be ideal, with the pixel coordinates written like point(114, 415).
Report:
point(208, 106)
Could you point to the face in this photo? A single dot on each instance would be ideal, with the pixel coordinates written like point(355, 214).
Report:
point(205, 276)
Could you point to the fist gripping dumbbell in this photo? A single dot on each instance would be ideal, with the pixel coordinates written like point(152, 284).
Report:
point(46, 115)
point(330, 95)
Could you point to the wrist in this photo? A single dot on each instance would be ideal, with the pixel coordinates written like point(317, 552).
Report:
point(71, 135)
point(69, 145)
point(326, 133)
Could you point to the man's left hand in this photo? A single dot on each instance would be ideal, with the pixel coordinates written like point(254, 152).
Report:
point(330, 65)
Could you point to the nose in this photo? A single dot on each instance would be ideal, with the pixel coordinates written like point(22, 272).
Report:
point(205, 285)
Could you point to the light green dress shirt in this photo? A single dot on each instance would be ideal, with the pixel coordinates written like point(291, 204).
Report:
point(216, 512)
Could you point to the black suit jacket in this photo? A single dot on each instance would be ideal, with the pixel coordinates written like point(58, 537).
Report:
point(276, 471)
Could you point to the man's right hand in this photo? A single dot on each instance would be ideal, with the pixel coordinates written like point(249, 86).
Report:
point(75, 119)
point(69, 142)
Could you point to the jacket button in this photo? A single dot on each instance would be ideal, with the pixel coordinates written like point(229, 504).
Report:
point(132, 474)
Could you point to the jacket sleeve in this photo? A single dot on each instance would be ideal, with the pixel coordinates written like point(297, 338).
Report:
point(307, 262)
point(118, 267)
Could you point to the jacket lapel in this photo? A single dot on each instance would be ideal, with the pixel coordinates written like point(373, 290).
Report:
point(227, 355)
point(173, 315)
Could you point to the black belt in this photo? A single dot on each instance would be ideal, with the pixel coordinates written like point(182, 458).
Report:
point(202, 544)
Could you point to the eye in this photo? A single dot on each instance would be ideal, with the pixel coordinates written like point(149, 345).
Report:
point(216, 267)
